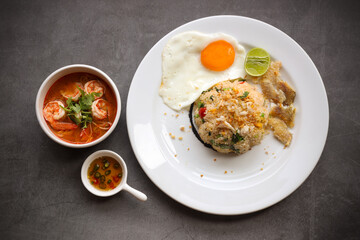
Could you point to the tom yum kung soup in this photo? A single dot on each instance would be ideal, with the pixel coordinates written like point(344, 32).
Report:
point(105, 173)
point(79, 108)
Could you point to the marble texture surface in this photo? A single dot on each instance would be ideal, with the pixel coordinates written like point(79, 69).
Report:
point(41, 195)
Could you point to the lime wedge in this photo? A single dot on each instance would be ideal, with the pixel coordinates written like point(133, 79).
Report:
point(257, 62)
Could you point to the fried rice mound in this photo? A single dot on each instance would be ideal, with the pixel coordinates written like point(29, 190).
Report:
point(231, 116)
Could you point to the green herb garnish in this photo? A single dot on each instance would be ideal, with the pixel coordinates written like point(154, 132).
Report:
point(232, 147)
point(236, 138)
point(206, 91)
point(80, 112)
point(246, 93)
point(212, 98)
point(224, 146)
point(200, 104)
point(262, 115)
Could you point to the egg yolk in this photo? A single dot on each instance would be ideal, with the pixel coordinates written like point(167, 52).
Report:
point(218, 55)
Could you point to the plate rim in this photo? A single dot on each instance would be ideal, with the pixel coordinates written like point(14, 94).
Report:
point(283, 196)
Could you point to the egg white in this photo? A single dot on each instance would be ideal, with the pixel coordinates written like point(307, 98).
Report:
point(184, 78)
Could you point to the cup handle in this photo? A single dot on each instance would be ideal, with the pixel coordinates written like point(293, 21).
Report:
point(139, 195)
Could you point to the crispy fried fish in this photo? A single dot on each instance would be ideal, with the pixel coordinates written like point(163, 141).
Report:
point(285, 114)
point(288, 91)
point(273, 87)
point(280, 93)
point(280, 130)
point(269, 82)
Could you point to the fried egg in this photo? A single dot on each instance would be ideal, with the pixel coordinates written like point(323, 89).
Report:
point(192, 62)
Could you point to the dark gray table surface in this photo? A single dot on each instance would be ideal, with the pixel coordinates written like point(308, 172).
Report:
point(41, 195)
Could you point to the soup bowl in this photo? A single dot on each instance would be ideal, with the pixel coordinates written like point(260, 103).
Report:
point(56, 75)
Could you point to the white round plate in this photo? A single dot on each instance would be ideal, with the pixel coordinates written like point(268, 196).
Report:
point(186, 170)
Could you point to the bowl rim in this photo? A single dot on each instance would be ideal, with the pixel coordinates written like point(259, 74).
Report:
point(45, 127)
point(90, 159)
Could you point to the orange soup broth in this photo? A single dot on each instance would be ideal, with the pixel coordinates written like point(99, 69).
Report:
point(93, 131)
point(115, 175)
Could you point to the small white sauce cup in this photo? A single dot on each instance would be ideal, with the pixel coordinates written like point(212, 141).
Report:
point(122, 185)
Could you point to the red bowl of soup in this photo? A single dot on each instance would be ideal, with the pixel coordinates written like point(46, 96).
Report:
point(78, 106)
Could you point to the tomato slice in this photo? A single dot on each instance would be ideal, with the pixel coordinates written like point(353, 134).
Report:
point(202, 112)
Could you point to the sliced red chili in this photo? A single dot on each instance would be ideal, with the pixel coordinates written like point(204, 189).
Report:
point(85, 133)
point(115, 178)
point(95, 180)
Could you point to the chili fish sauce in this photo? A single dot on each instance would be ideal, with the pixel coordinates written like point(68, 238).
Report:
point(105, 173)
